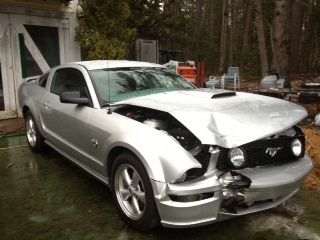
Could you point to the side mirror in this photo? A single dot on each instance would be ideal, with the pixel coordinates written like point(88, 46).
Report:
point(73, 97)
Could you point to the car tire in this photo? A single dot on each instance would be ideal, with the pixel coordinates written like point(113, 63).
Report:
point(133, 193)
point(34, 138)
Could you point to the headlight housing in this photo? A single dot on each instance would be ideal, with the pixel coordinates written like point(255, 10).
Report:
point(237, 157)
point(297, 147)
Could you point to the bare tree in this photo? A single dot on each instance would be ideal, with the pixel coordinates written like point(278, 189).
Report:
point(281, 36)
point(315, 54)
point(198, 26)
point(296, 17)
point(232, 29)
point(223, 40)
point(248, 25)
point(261, 37)
point(211, 4)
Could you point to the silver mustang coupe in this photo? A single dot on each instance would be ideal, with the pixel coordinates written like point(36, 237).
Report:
point(170, 153)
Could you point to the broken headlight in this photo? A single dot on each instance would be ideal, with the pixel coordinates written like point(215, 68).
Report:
point(237, 157)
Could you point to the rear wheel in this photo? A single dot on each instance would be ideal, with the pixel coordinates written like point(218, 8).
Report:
point(35, 140)
point(133, 192)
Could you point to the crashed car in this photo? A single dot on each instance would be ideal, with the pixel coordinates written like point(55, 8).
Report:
point(170, 153)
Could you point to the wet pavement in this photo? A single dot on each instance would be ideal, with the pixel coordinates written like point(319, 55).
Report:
point(44, 196)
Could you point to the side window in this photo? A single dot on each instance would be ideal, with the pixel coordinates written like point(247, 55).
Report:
point(68, 80)
point(43, 80)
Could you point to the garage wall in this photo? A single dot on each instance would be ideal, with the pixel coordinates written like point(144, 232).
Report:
point(34, 36)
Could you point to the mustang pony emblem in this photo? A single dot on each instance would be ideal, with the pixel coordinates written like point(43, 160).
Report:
point(272, 151)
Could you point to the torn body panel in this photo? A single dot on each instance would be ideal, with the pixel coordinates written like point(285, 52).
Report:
point(169, 126)
point(160, 167)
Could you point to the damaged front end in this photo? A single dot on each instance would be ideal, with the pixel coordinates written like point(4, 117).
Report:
point(167, 124)
point(272, 171)
point(219, 195)
point(231, 181)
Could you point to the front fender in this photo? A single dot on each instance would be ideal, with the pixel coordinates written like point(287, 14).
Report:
point(162, 156)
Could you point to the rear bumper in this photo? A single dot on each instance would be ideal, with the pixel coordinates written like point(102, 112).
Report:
point(270, 186)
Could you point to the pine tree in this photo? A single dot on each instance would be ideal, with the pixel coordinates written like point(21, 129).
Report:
point(104, 33)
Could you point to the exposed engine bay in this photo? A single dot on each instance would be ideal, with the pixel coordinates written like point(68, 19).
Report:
point(165, 122)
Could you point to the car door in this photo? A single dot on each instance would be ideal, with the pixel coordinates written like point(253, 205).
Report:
point(67, 125)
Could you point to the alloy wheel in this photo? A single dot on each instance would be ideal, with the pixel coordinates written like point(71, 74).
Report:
point(130, 191)
point(31, 131)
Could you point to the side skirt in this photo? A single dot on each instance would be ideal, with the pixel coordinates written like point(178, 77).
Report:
point(97, 175)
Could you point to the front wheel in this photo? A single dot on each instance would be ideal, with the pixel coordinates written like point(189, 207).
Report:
point(34, 138)
point(133, 192)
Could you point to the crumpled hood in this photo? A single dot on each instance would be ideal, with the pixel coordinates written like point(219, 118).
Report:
point(225, 121)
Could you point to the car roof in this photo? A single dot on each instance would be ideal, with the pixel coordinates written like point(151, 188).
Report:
point(102, 64)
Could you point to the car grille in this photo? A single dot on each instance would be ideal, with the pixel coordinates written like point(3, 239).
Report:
point(257, 154)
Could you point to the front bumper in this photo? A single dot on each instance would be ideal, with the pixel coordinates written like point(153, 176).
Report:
point(270, 186)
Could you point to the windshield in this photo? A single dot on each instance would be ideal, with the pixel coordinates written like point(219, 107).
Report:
point(127, 83)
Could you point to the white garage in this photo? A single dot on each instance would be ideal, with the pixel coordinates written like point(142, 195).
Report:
point(35, 35)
